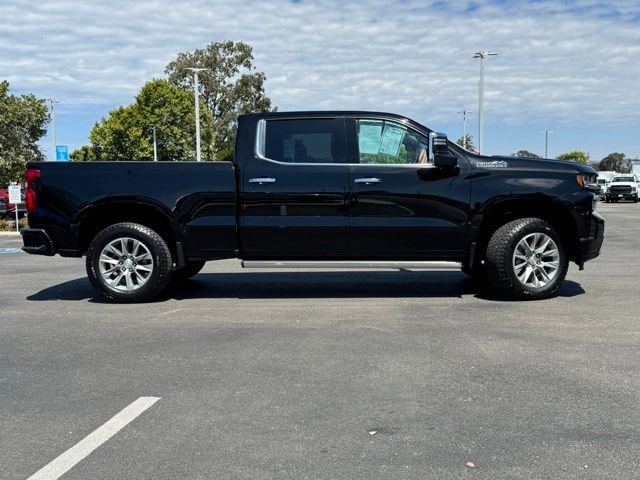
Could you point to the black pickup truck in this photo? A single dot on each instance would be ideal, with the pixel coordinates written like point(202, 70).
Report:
point(319, 189)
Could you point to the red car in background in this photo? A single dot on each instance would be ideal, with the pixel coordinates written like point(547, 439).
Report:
point(8, 209)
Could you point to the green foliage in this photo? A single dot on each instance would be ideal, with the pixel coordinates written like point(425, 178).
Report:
point(615, 162)
point(127, 133)
point(576, 156)
point(525, 153)
point(83, 154)
point(229, 87)
point(22, 122)
point(469, 144)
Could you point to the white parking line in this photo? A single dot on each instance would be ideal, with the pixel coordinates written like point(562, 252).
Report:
point(63, 463)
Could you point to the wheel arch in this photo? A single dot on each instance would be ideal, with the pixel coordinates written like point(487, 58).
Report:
point(552, 211)
point(111, 212)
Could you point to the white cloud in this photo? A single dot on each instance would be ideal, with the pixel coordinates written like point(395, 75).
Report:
point(559, 61)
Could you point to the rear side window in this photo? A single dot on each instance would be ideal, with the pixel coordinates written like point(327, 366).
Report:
point(305, 140)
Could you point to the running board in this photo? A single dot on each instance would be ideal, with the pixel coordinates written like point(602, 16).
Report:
point(388, 265)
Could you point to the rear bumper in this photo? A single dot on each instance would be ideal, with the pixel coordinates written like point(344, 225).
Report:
point(37, 242)
point(590, 246)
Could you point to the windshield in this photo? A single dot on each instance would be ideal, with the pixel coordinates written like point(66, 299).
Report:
point(624, 179)
point(602, 181)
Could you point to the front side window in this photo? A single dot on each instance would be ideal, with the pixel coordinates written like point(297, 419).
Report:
point(305, 140)
point(387, 142)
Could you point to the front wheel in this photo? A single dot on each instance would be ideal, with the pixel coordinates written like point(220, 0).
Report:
point(525, 259)
point(128, 262)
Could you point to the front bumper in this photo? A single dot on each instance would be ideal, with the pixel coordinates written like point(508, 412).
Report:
point(590, 246)
point(36, 241)
point(621, 196)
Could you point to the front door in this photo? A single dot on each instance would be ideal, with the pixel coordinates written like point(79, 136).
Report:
point(294, 190)
point(402, 206)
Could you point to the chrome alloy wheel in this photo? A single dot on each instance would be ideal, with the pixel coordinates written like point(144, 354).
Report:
point(536, 260)
point(125, 264)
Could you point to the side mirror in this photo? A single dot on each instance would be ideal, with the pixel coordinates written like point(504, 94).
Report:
point(440, 154)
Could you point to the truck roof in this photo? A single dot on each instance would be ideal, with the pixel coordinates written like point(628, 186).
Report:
point(313, 113)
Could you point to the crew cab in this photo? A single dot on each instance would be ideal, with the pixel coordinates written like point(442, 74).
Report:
point(622, 187)
point(319, 189)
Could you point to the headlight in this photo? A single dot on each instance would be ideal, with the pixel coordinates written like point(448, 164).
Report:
point(585, 179)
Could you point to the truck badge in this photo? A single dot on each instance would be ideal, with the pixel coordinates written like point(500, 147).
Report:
point(496, 164)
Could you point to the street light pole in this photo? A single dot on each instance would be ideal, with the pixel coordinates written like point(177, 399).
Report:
point(546, 142)
point(464, 127)
point(482, 54)
point(52, 101)
point(155, 148)
point(197, 107)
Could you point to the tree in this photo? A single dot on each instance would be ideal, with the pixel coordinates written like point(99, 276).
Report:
point(469, 143)
point(127, 133)
point(22, 122)
point(526, 154)
point(83, 154)
point(576, 156)
point(229, 87)
point(615, 162)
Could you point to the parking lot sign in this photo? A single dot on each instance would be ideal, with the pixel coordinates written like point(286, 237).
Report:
point(62, 153)
point(15, 195)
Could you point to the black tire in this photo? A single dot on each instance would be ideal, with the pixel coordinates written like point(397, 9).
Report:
point(189, 270)
point(501, 260)
point(146, 279)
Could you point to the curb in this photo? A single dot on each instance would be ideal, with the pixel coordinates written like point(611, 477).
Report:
point(9, 234)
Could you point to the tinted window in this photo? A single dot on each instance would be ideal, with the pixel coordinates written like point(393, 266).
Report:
point(305, 141)
point(382, 141)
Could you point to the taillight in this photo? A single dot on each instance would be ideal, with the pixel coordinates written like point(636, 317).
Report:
point(30, 199)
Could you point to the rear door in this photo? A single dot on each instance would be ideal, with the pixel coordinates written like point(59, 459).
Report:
point(294, 186)
point(402, 206)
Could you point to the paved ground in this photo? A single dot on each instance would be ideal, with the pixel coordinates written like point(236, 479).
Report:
point(286, 375)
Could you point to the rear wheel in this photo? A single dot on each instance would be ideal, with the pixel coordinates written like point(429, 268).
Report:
point(526, 260)
point(128, 262)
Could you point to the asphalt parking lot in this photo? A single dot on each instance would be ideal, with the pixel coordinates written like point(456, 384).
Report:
point(325, 375)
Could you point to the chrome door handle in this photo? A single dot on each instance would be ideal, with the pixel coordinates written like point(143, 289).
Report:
point(262, 180)
point(367, 180)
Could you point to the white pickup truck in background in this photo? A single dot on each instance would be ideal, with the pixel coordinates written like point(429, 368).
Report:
point(622, 187)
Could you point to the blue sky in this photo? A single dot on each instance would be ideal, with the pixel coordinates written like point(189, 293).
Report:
point(567, 66)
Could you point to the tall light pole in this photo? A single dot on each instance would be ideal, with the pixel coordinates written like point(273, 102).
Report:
point(53, 101)
point(546, 142)
point(482, 54)
point(197, 106)
point(464, 127)
point(155, 148)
